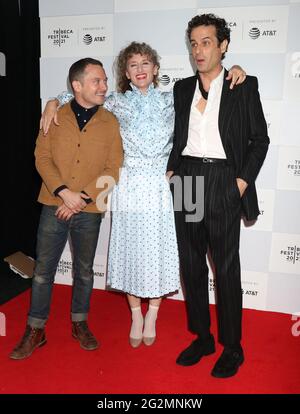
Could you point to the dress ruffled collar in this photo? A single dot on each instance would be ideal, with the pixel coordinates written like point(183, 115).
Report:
point(151, 89)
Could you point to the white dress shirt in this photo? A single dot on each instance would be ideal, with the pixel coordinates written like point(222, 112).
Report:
point(203, 135)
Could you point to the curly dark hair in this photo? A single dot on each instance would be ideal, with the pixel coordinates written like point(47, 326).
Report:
point(222, 29)
point(120, 65)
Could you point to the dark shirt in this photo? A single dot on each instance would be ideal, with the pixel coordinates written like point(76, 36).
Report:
point(83, 115)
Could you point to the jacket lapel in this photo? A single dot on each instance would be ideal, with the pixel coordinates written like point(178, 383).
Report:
point(224, 105)
point(228, 98)
point(189, 95)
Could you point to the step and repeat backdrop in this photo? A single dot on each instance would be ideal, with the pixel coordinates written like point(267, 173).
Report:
point(265, 42)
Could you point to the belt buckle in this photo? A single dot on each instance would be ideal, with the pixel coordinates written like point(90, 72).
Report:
point(205, 160)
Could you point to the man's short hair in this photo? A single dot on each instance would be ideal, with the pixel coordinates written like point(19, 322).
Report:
point(76, 71)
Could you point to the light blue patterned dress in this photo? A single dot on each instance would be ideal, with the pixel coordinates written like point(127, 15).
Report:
point(143, 255)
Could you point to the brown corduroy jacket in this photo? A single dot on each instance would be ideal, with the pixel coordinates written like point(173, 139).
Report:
point(77, 159)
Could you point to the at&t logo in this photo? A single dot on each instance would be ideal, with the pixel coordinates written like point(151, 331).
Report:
point(88, 39)
point(255, 33)
point(164, 80)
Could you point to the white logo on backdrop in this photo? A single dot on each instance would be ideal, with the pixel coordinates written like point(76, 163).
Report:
point(100, 263)
point(172, 69)
point(266, 207)
point(254, 289)
point(60, 36)
point(254, 33)
point(76, 35)
point(64, 268)
point(288, 172)
point(291, 253)
point(285, 253)
point(64, 274)
point(164, 80)
point(264, 32)
point(87, 39)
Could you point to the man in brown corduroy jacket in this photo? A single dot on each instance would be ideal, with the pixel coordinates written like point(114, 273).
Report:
point(85, 146)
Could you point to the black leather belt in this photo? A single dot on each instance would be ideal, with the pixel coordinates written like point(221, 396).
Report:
point(206, 160)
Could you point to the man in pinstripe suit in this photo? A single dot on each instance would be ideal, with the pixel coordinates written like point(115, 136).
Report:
point(220, 134)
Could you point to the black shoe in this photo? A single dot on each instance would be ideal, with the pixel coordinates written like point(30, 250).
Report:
point(193, 353)
point(228, 363)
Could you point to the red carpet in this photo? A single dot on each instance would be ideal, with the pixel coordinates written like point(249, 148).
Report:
point(272, 354)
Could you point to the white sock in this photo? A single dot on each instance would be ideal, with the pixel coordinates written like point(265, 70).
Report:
point(136, 330)
point(150, 321)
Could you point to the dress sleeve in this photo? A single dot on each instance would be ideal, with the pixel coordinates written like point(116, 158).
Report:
point(169, 98)
point(110, 102)
point(64, 97)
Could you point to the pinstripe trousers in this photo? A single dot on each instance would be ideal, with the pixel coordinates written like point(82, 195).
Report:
point(219, 233)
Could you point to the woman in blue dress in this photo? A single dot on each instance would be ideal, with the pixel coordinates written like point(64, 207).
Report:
point(143, 256)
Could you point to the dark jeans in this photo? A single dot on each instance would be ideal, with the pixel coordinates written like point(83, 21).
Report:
point(53, 233)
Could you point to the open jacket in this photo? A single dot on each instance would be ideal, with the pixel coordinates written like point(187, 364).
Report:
point(242, 128)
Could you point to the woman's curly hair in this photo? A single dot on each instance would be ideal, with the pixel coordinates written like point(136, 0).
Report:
point(120, 65)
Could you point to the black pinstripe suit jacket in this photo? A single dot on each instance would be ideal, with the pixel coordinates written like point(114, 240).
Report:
point(242, 128)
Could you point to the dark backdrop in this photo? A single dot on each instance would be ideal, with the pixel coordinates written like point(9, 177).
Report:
point(20, 113)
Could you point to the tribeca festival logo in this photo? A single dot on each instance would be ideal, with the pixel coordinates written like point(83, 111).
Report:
point(232, 25)
point(295, 167)
point(295, 68)
point(295, 329)
point(64, 267)
point(60, 36)
point(2, 324)
point(291, 254)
